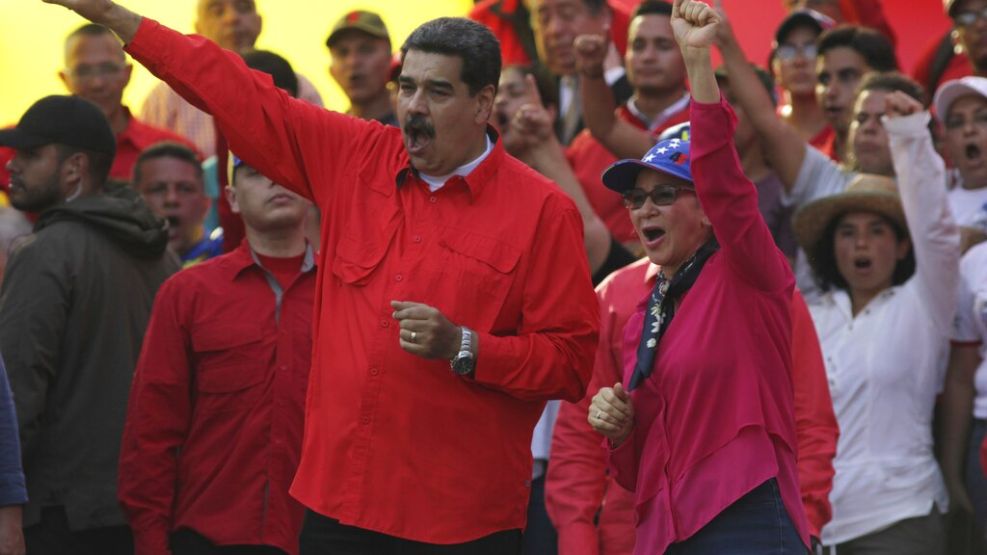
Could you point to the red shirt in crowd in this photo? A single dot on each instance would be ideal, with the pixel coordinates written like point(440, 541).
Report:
point(721, 395)
point(395, 443)
point(589, 158)
point(215, 416)
point(577, 487)
point(825, 142)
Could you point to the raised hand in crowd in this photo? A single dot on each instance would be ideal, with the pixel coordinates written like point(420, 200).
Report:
point(899, 104)
point(620, 138)
point(611, 413)
point(695, 26)
point(534, 136)
point(531, 127)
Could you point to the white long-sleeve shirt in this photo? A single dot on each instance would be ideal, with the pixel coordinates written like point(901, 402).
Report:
point(885, 365)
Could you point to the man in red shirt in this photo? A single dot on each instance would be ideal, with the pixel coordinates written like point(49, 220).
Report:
point(214, 421)
point(660, 99)
point(96, 69)
point(454, 299)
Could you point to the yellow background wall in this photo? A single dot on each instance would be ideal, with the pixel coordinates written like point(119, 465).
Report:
point(32, 34)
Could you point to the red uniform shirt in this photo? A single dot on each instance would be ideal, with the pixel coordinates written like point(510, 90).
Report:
point(577, 487)
point(589, 158)
point(721, 395)
point(396, 443)
point(214, 421)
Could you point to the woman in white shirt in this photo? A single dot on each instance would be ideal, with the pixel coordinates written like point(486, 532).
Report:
point(889, 264)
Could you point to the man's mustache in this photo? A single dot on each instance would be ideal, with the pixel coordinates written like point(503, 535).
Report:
point(418, 125)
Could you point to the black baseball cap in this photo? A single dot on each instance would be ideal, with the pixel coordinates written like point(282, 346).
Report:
point(802, 18)
point(64, 120)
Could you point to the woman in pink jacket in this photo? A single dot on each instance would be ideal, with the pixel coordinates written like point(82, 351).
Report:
point(702, 427)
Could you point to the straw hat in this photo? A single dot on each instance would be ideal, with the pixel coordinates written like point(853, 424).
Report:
point(866, 193)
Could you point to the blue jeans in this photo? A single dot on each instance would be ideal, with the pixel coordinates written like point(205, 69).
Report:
point(756, 524)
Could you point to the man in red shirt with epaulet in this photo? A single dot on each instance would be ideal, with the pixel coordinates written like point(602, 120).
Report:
point(214, 421)
point(454, 297)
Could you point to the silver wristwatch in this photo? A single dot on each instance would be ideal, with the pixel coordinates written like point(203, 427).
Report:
point(464, 362)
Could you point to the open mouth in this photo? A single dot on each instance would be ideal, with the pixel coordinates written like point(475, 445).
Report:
point(862, 263)
point(503, 122)
point(972, 151)
point(172, 222)
point(418, 135)
point(652, 234)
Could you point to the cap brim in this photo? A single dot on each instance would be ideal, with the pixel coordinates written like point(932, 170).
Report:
point(950, 92)
point(795, 21)
point(622, 175)
point(15, 138)
point(375, 33)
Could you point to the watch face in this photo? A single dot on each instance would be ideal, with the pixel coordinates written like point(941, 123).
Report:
point(462, 364)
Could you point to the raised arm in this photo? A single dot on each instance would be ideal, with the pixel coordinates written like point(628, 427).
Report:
point(533, 122)
point(922, 186)
point(622, 139)
point(783, 145)
point(728, 198)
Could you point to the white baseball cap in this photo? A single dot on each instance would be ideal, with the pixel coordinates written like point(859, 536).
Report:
point(949, 91)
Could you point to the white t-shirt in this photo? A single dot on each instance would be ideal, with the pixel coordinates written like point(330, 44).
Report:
point(969, 206)
point(971, 317)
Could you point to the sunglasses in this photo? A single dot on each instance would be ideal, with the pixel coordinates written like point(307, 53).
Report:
point(966, 19)
point(662, 195)
point(786, 52)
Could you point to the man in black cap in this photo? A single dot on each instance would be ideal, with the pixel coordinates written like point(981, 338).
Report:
point(361, 64)
point(74, 305)
point(793, 62)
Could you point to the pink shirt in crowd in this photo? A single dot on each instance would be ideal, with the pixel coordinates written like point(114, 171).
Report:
point(715, 419)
